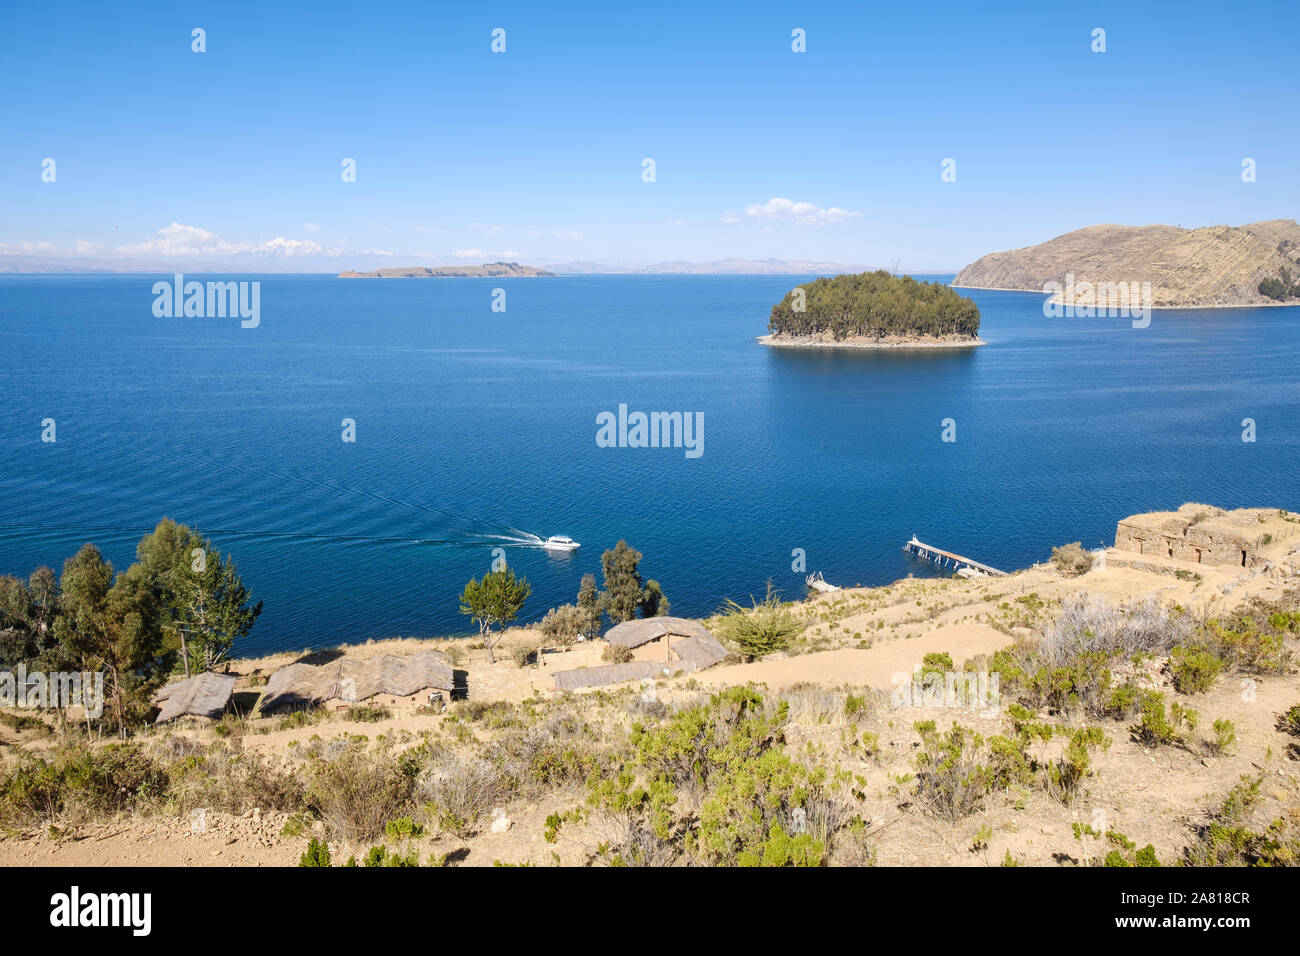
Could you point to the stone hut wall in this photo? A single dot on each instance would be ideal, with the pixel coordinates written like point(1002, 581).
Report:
point(1194, 543)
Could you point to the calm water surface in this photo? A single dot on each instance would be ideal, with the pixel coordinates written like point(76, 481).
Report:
point(475, 428)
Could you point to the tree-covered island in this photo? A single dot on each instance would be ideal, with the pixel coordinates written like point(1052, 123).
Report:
point(874, 309)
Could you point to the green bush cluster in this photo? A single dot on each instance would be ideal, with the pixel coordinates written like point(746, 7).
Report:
point(1280, 287)
point(78, 782)
point(1194, 669)
point(714, 784)
point(1231, 836)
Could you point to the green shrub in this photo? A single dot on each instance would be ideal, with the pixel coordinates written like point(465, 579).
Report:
point(317, 854)
point(1072, 559)
point(382, 856)
point(1225, 737)
point(1124, 701)
point(1289, 722)
point(937, 662)
point(1156, 726)
point(369, 713)
point(523, 653)
point(951, 783)
point(306, 717)
point(1242, 832)
point(1194, 669)
point(1126, 853)
point(616, 654)
point(858, 705)
point(1009, 763)
point(1083, 683)
point(1153, 727)
point(1064, 777)
point(1279, 289)
point(357, 793)
point(781, 849)
point(80, 782)
point(403, 828)
point(1253, 638)
point(22, 723)
point(747, 801)
point(458, 792)
point(767, 627)
point(551, 831)
point(563, 625)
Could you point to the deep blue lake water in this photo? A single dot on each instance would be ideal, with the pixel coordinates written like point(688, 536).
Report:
point(474, 425)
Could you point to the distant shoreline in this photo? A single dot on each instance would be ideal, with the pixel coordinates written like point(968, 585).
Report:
point(494, 270)
point(855, 342)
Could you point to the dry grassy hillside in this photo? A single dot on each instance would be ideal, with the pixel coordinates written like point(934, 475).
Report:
point(1212, 266)
point(1143, 717)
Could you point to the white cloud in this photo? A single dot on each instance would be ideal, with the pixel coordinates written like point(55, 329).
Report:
point(481, 254)
point(730, 217)
point(487, 230)
point(26, 248)
point(804, 213)
point(311, 227)
point(280, 246)
point(181, 240)
point(84, 246)
point(566, 234)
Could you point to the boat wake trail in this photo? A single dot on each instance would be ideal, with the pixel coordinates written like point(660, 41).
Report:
point(441, 527)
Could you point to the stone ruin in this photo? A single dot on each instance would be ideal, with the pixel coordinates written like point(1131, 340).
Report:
point(1248, 538)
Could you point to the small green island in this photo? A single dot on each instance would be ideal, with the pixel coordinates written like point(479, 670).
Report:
point(873, 310)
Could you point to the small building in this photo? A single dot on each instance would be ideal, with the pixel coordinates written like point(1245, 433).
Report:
point(1200, 534)
point(660, 646)
point(205, 695)
point(393, 678)
point(668, 639)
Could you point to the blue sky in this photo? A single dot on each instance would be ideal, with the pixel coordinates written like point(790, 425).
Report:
point(536, 153)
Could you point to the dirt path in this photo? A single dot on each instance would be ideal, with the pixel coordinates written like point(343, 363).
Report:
point(873, 667)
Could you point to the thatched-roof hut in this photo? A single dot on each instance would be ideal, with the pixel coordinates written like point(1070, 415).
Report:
point(632, 634)
point(204, 695)
point(350, 679)
point(663, 646)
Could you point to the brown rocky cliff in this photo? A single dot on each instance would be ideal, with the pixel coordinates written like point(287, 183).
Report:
point(1211, 266)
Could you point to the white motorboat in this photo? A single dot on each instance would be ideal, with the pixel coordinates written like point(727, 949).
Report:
point(560, 542)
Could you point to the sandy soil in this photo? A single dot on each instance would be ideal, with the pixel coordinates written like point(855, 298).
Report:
point(871, 667)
